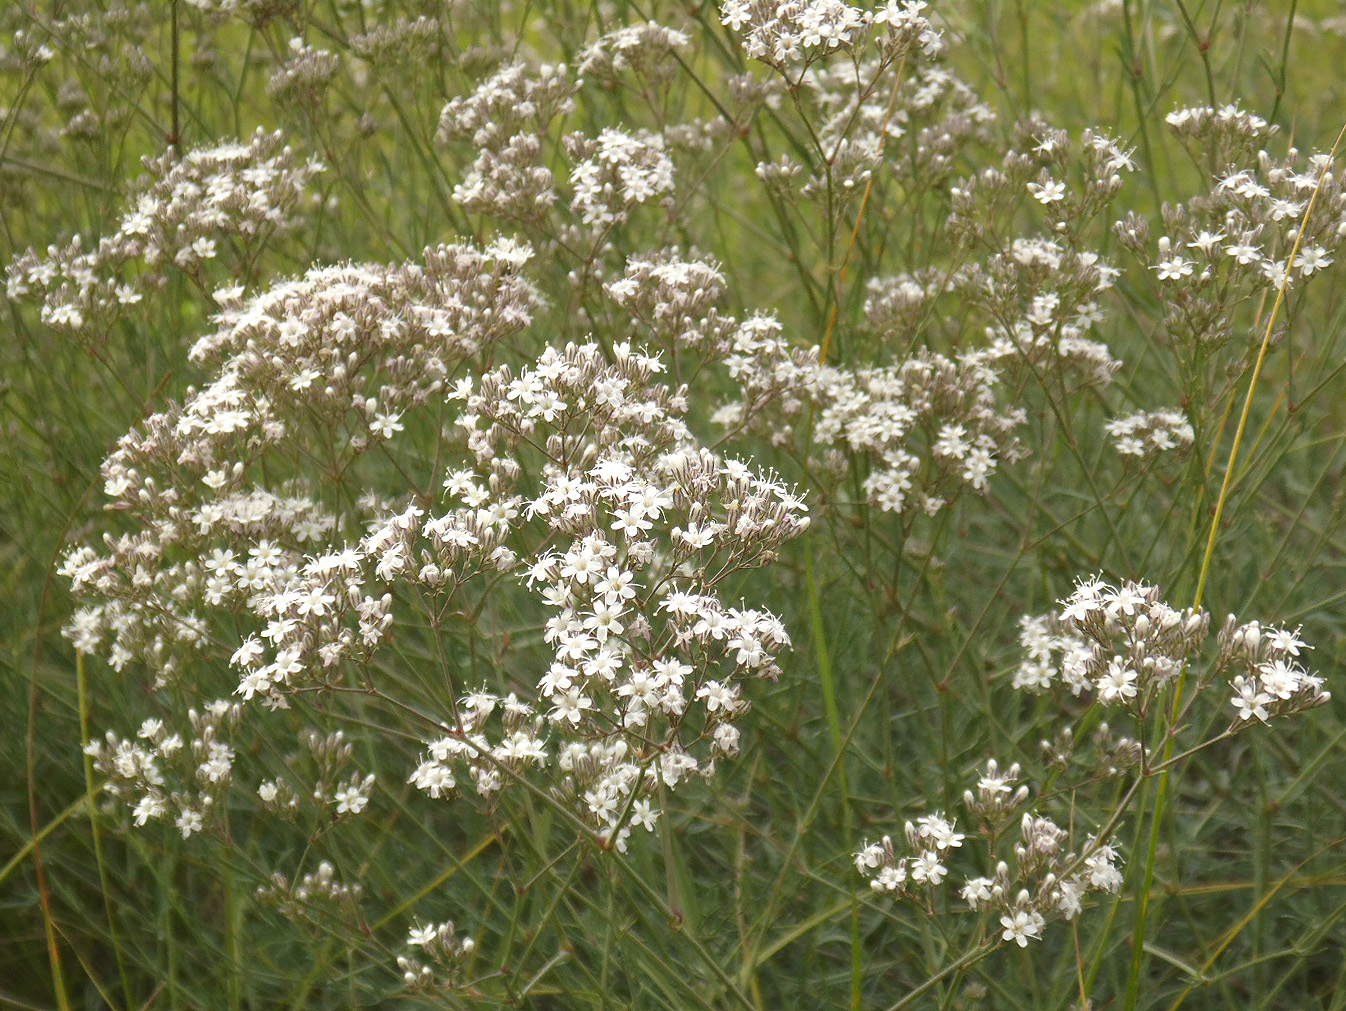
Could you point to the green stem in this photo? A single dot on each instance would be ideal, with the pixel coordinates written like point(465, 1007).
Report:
point(91, 791)
point(827, 676)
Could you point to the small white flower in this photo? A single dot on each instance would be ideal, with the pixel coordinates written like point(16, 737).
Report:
point(926, 867)
point(421, 936)
point(1249, 701)
point(385, 425)
point(1021, 926)
point(1118, 684)
point(1174, 268)
point(1312, 259)
point(1049, 192)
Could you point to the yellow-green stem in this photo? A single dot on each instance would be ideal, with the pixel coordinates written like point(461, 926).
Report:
point(1161, 794)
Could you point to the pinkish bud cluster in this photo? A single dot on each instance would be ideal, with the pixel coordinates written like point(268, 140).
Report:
point(163, 775)
point(1047, 879)
point(215, 202)
point(506, 120)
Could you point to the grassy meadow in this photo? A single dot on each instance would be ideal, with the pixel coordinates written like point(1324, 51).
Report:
point(672, 505)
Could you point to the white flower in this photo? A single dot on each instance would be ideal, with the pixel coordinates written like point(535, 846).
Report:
point(421, 936)
point(1311, 259)
point(644, 815)
point(1244, 252)
point(927, 868)
point(189, 821)
point(1283, 641)
point(939, 831)
point(1249, 701)
point(890, 878)
point(977, 891)
point(1279, 679)
point(1174, 268)
point(717, 696)
point(350, 800)
point(1049, 192)
point(570, 707)
point(385, 425)
point(1021, 926)
point(149, 806)
point(1118, 684)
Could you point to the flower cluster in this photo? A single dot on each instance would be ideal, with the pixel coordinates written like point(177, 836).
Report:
point(304, 77)
point(930, 840)
point(1125, 645)
point(896, 306)
point(672, 302)
point(939, 116)
point(506, 119)
point(1042, 297)
point(614, 172)
point(1270, 681)
point(787, 33)
point(929, 107)
point(1230, 133)
point(929, 426)
point(1048, 879)
point(169, 777)
point(111, 37)
point(1036, 168)
point(916, 131)
point(329, 789)
point(918, 432)
point(1230, 247)
point(223, 488)
point(578, 468)
point(1104, 755)
point(406, 42)
point(625, 536)
point(647, 51)
point(772, 378)
point(1041, 293)
point(28, 51)
point(446, 950)
point(211, 202)
point(514, 100)
point(1146, 434)
point(314, 897)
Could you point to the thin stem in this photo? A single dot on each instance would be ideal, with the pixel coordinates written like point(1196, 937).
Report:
point(1161, 794)
point(91, 792)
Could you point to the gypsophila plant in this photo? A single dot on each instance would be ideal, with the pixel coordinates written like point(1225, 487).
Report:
point(564, 504)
